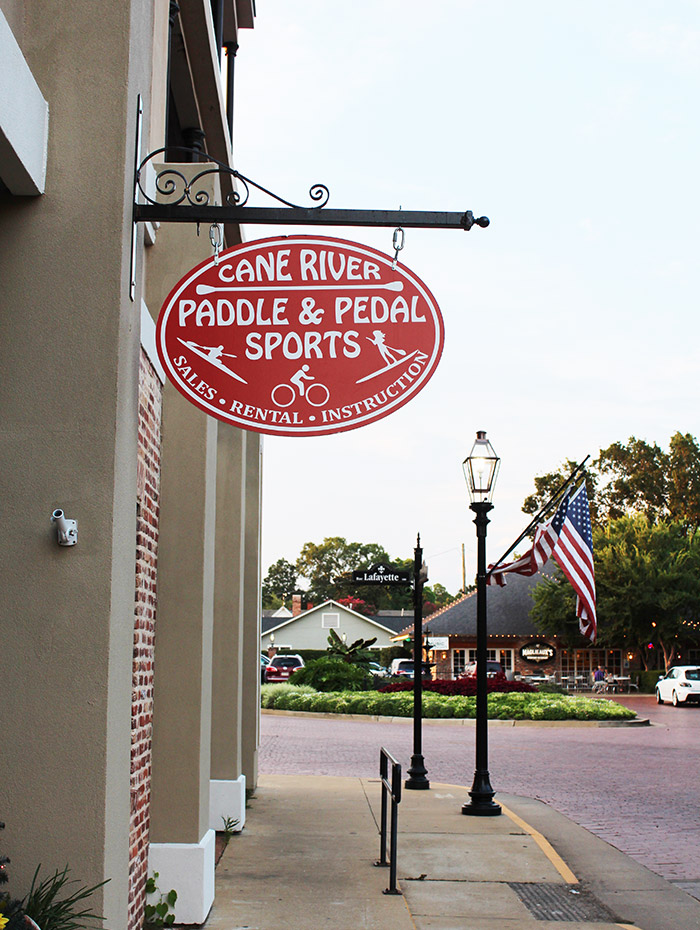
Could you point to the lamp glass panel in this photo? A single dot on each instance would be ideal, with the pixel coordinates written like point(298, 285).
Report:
point(480, 469)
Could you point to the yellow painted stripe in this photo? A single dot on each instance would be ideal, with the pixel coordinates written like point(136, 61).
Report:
point(408, 910)
point(544, 844)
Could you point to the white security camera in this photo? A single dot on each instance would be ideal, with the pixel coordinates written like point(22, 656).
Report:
point(67, 529)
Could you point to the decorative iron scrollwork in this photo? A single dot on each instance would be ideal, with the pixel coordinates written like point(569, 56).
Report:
point(171, 183)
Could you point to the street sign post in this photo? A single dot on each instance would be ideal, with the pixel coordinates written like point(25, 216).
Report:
point(382, 574)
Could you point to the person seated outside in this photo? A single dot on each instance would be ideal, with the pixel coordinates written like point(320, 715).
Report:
point(599, 679)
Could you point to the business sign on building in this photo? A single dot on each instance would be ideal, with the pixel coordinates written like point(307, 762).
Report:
point(537, 652)
point(300, 335)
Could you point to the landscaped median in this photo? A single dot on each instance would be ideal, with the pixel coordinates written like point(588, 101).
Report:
point(508, 706)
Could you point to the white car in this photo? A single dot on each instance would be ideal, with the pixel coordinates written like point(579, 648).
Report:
point(378, 670)
point(680, 685)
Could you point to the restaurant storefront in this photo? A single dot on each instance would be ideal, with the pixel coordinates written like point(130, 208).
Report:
point(531, 656)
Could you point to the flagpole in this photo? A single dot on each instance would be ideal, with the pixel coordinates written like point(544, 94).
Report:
point(535, 520)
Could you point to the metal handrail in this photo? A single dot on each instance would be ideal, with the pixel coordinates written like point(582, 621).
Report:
point(390, 789)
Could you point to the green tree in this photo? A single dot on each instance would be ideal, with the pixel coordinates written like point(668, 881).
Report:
point(280, 583)
point(328, 565)
point(554, 610)
point(437, 594)
point(684, 480)
point(399, 597)
point(548, 484)
point(647, 587)
point(633, 478)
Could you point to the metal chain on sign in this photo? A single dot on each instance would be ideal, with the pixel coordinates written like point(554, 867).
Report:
point(216, 238)
point(398, 243)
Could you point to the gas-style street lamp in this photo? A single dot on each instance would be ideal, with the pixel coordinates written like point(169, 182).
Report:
point(480, 470)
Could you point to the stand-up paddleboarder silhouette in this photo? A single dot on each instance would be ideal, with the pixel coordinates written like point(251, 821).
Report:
point(387, 353)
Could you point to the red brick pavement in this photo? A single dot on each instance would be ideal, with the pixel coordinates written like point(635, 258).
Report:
point(635, 787)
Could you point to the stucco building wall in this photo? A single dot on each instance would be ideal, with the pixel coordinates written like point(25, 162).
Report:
point(87, 629)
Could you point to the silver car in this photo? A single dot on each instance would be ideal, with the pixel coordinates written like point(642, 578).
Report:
point(680, 685)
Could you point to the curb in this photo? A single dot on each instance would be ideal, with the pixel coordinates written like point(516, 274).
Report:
point(460, 721)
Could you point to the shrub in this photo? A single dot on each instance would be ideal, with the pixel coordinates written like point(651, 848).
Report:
point(269, 694)
point(502, 706)
point(464, 686)
point(322, 703)
point(648, 679)
point(331, 674)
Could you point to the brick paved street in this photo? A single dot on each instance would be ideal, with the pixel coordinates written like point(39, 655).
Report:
point(635, 787)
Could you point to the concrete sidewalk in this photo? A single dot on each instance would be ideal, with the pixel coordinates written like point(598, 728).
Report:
point(305, 861)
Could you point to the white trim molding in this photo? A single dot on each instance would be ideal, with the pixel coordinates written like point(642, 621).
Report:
point(227, 801)
point(24, 120)
point(148, 341)
point(189, 869)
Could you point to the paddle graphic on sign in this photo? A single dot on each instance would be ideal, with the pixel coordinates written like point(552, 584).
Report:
point(300, 335)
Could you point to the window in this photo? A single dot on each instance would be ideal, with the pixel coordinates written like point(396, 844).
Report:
point(330, 621)
point(458, 661)
point(585, 661)
point(460, 658)
point(503, 656)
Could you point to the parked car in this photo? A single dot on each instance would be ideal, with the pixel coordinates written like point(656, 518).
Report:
point(378, 670)
point(680, 685)
point(404, 668)
point(282, 666)
point(492, 669)
point(264, 662)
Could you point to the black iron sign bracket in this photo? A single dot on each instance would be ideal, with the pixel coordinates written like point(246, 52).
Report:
point(165, 194)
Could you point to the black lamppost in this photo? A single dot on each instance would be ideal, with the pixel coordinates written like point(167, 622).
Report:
point(480, 470)
point(417, 772)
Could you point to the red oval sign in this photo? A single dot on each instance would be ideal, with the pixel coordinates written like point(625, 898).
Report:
point(300, 336)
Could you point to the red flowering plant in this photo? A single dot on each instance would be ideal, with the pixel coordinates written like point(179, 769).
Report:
point(463, 686)
point(358, 605)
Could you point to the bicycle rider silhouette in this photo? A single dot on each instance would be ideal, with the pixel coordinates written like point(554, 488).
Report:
point(299, 377)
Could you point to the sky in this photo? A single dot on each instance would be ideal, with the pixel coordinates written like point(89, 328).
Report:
point(570, 323)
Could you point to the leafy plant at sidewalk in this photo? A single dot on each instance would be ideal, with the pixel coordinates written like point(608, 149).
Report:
point(49, 905)
point(159, 914)
point(230, 825)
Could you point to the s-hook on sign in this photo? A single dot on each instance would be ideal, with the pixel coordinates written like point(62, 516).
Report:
point(300, 335)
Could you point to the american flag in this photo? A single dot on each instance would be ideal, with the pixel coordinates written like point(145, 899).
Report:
point(543, 545)
point(574, 553)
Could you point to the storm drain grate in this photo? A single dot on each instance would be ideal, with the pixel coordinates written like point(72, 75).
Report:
point(560, 902)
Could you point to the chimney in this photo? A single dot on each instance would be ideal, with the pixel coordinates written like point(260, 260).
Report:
point(296, 605)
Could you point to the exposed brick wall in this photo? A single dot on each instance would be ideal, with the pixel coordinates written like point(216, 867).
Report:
point(148, 493)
